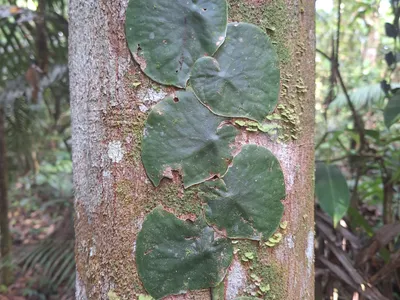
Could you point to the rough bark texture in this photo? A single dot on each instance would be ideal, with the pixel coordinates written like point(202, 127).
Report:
point(5, 237)
point(112, 192)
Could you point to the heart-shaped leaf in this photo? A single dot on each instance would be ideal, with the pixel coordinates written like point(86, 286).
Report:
point(391, 30)
point(390, 58)
point(166, 38)
point(246, 202)
point(392, 110)
point(242, 80)
point(174, 256)
point(332, 191)
point(182, 134)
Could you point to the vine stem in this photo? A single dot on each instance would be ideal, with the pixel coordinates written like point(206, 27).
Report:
point(218, 292)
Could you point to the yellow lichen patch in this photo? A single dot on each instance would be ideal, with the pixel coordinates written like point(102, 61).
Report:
point(112, 295)
point(293, 92)
point(283, 225)
point(264, 279)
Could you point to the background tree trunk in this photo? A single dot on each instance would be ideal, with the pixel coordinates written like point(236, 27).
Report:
point(5, 237)
point(112, 192)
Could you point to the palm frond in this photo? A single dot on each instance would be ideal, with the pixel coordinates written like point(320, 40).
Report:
point(18, 36)
point(19, 87)
point(364, 96)
point(54, 260)
point(32, 258)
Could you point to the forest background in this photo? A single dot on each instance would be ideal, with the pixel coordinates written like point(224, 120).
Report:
point(357, 150)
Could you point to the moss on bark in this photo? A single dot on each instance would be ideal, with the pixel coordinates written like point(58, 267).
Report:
point(113, 198)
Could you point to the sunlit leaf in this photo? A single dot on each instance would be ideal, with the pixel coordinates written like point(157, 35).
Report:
point(332, 191)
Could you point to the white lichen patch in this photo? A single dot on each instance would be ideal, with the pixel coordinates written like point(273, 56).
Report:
point(151, 95)
point(128, 139)
point(134, 249)
point(288, 163)
point(310, 251)
point(236, 281)
point(289, 241)
point(80, 289)
point(92, 250)
point(115, 151)
point(137, 224)
point(145, 132)
point(106, 174)
point(143, 108)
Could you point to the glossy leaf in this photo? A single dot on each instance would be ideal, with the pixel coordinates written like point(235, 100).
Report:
point(392, 110)
point(174, 256)
point(166, 39)
point(391, 30)
point(242, 80)
point(332, 191)
point(182, 134)
point(246, 202)
point(390, 58)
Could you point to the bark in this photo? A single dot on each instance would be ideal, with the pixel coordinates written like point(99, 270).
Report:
point(41, 37)
point(5, 237)
point(112, 192)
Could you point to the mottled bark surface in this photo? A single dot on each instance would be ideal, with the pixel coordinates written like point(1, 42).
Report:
point(112, 192)
point(5, 237)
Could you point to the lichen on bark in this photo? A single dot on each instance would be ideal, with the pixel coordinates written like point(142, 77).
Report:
point(111, 198)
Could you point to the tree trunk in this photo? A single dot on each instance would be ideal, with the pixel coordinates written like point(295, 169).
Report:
point(5, 237)
point(112, 191)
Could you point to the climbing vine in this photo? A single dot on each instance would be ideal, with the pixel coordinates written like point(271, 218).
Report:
point(230, 76)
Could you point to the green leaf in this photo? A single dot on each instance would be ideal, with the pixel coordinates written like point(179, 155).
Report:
point(246, 202)
point(246, 298)
point(332, 191)
point(174, 256)
point(166, 39)
point(181, 134)
point(392, 110)
point(242, 80)
point(375, 134)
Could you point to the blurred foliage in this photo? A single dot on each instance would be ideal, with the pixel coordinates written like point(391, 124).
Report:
point(358, 133)
point(34, 94)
